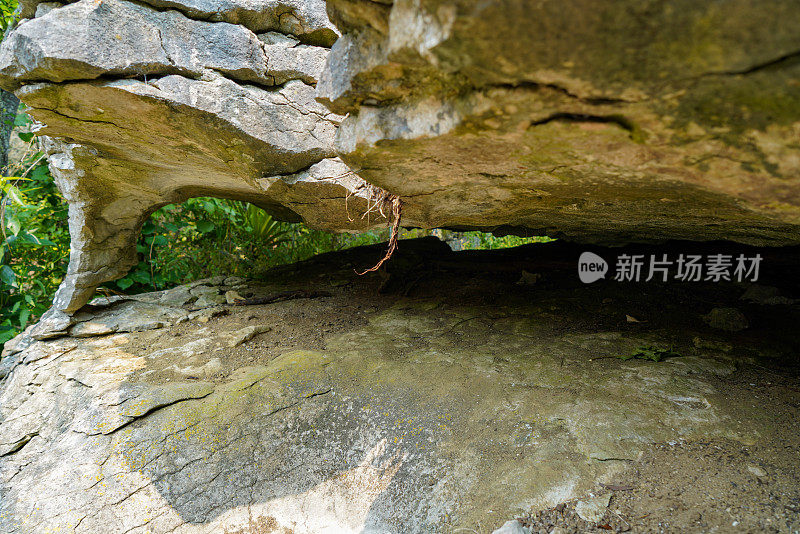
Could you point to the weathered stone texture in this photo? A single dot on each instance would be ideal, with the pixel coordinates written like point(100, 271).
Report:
point(594, 121)
point(475, 401)
point(146, 107)
point(113, 38)
point(304, 18)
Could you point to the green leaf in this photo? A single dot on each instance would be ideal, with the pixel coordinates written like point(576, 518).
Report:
point(7, 276)
point(209, 205)
point(39, 172)
point(205, 226)
point(26, 136)
point(24, 315)
point(124, 283)
point(148, 228)
point(7, 335)
point(25, 237)
point(140, 276)
point(15, 195)
point(14, 224)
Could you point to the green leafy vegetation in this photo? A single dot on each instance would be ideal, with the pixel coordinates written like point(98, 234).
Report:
point(7, 8)
point(483, 240)
point(34, 248)
point(205, 237)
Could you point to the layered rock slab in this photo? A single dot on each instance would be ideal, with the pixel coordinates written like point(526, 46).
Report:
point(471, 401)
point(304, 18)
point(159, 142)
point(87, 40)
point(595, 121)
point(145, 107)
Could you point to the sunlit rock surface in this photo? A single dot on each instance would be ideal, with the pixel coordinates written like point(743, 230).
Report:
point(450, 396)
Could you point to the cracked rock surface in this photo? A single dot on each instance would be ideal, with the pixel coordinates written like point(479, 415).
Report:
point(451, 402)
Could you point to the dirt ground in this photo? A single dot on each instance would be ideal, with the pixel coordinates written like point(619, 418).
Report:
point(701, 486)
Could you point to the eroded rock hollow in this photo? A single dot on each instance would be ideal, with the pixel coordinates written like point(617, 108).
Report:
point(595, 121)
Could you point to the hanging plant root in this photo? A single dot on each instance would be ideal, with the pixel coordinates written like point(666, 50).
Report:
point(381, 199)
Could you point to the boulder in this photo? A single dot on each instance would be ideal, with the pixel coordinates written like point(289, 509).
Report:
point(145, 107)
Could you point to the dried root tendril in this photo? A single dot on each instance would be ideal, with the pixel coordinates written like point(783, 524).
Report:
point(397, 207)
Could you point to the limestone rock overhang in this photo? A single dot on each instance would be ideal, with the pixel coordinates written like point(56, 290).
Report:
point(596, 121)
point(593, 121)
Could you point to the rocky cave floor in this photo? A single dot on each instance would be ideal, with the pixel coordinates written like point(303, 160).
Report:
point(450, 392)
